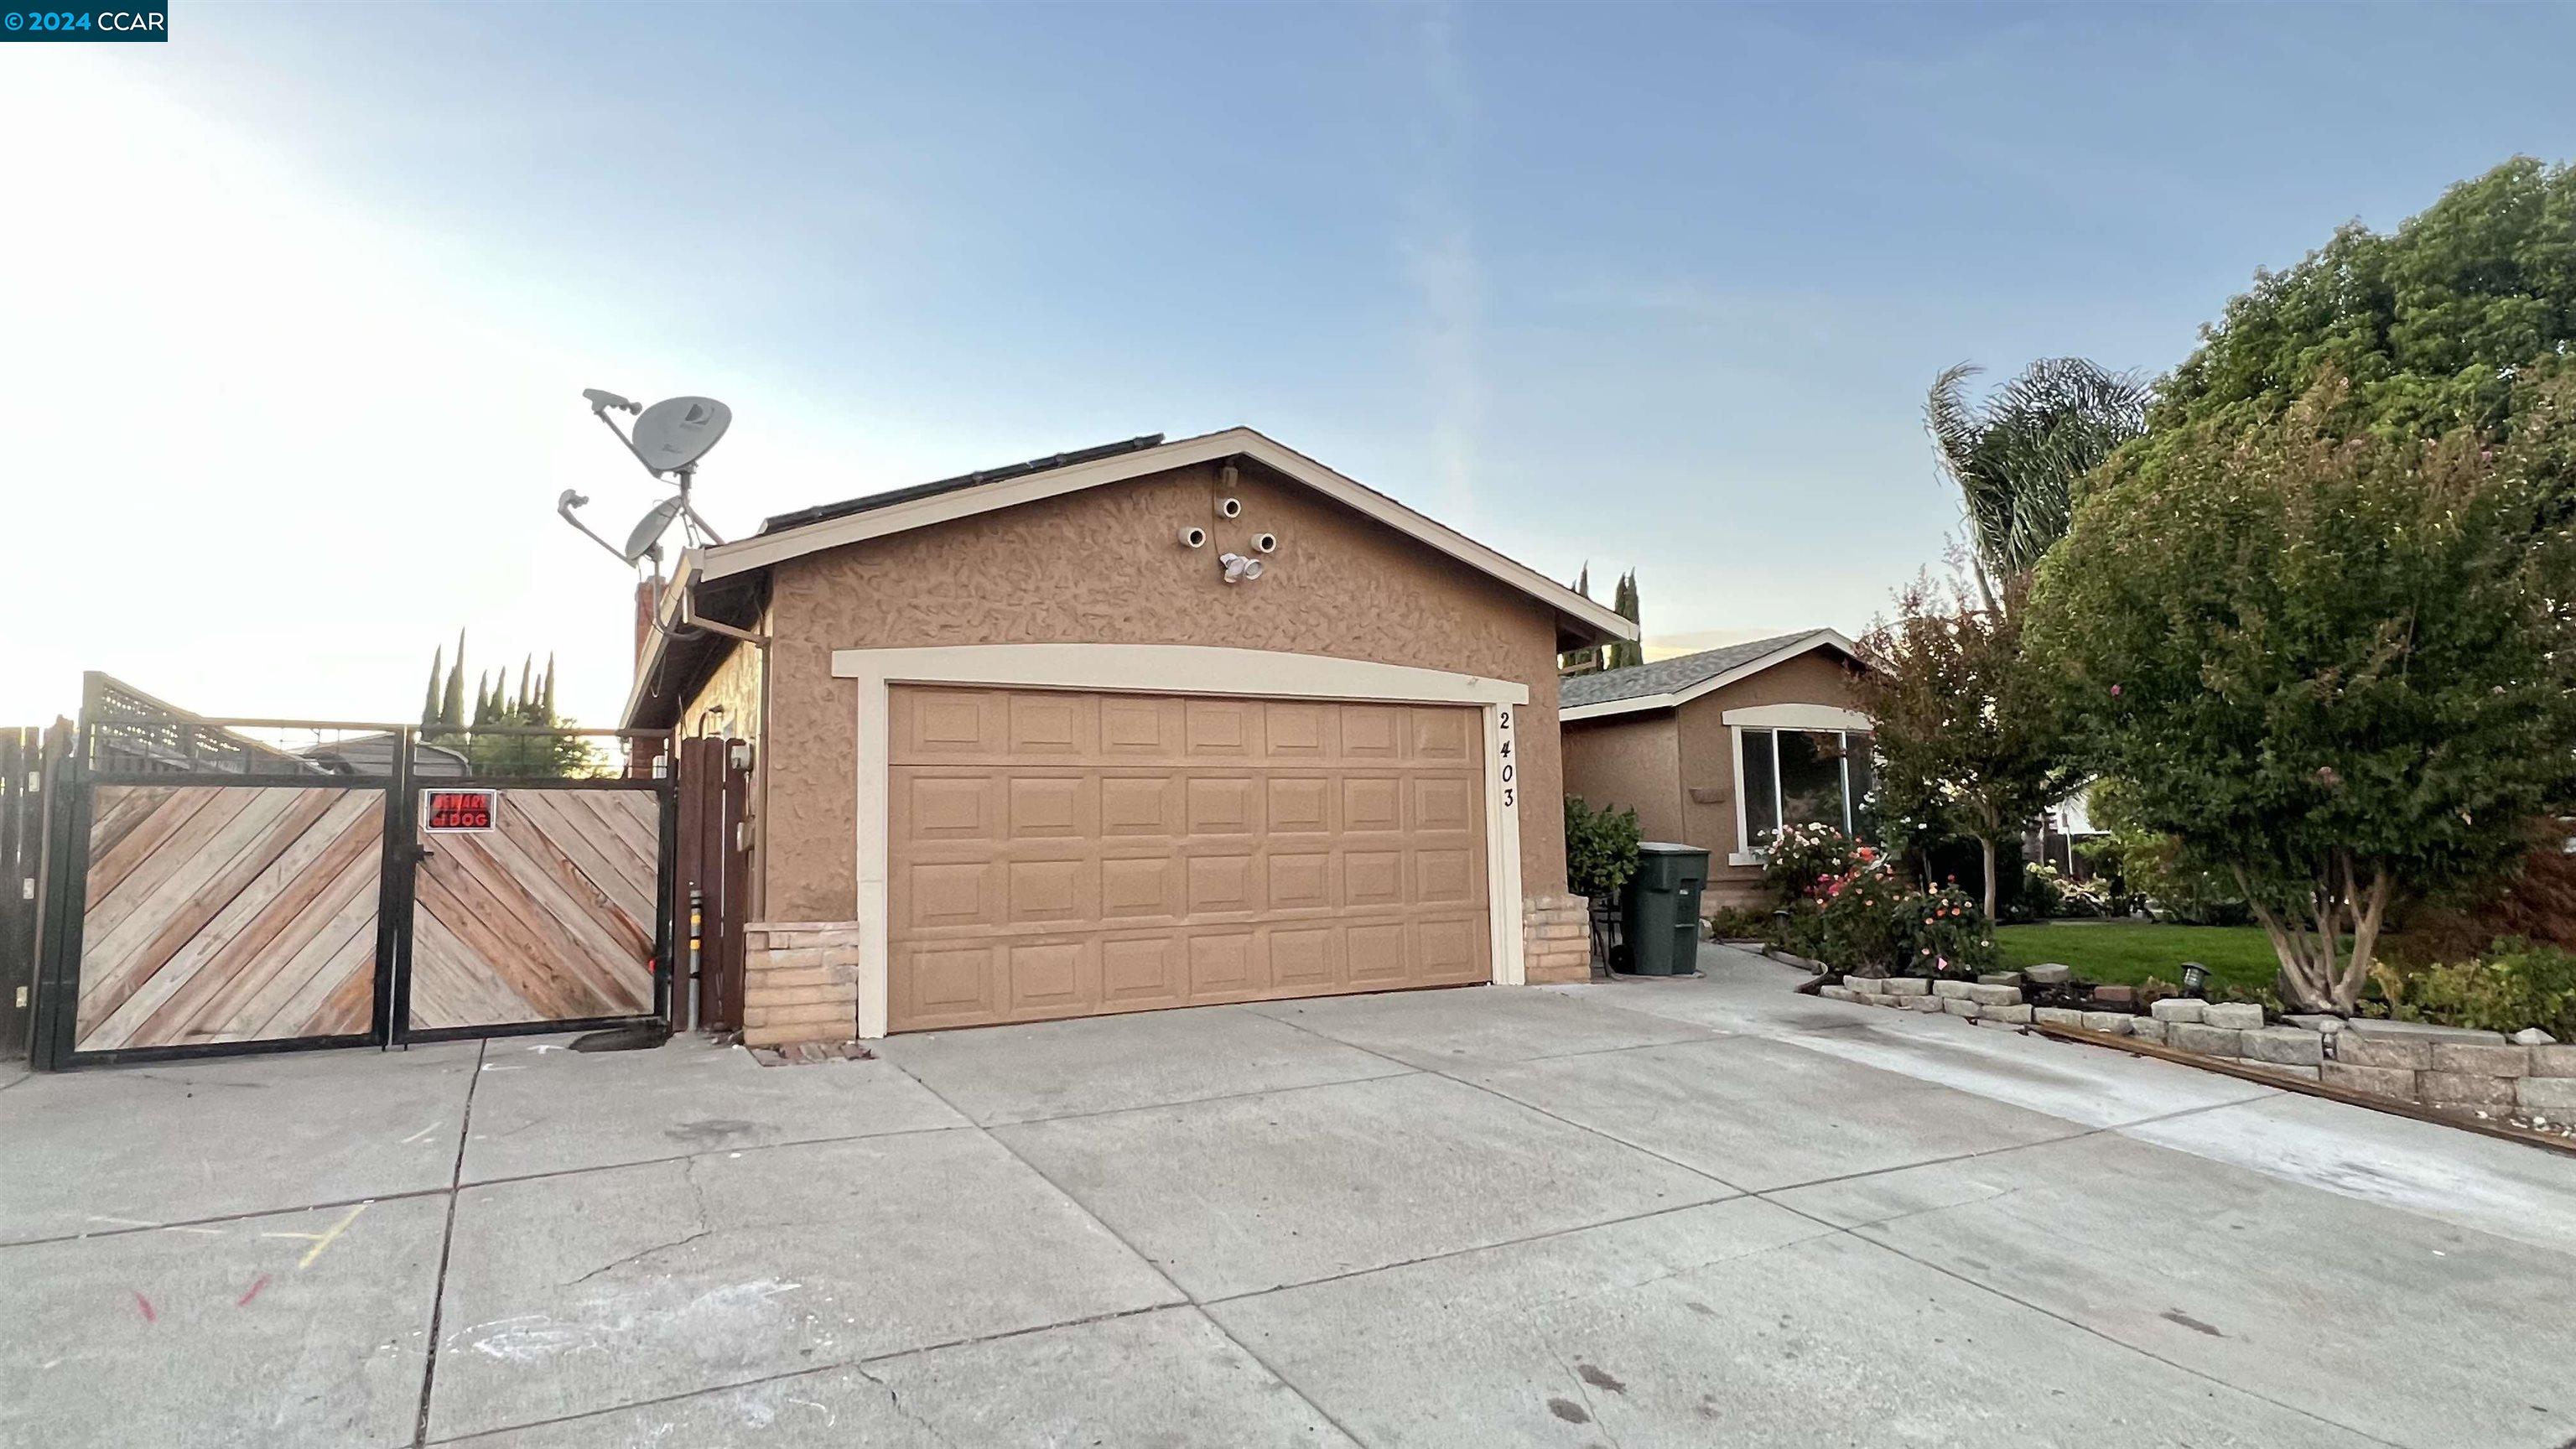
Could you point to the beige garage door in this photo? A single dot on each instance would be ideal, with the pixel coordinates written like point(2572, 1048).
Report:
point(1060, 854)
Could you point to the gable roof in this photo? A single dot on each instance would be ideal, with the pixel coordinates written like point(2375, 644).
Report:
point(1667, 683)
point(793, 535)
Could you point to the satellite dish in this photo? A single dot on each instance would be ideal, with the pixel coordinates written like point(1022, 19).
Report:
point(676, 432)
point(648, 532)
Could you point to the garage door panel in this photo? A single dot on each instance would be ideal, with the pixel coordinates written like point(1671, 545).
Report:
point(1227, 966)
point(1052, 892)
point(1304, 960)
point(1372, 732)
point(1057, 726)
point(1137, 972)
point(1299, 880)
point(1300, 805)
point(1449, 949)
point(1223, 805)
point(1445, 878)
point(1223, 885)
point(933, 724)
point(947, 893)
point(1140, 805)
point(1372, 878)
point(1060, 807)
point(1143, 727)
point(1056, 854)
point(946, 806)
point(1298, 731)
point(1137, 890)
point(945, 984)
point(1222, 729)
point(1445, 803)
point(1372, 803)
point(1377, 951)
point(1052, 977)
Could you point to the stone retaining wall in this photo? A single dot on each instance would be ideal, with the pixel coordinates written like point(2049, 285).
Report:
point(2438, 1066)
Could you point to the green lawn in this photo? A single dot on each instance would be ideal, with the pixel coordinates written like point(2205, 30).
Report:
point(2131, 951)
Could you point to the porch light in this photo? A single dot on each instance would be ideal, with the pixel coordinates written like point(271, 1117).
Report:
point(2195, 979)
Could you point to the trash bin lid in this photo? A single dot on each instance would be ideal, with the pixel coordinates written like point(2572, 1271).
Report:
point(1668, 847)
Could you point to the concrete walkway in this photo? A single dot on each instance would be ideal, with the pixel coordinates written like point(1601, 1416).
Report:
point(1691, 1212)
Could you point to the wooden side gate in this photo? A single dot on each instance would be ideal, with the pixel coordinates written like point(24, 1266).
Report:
point(207, 894)
point(712, 884)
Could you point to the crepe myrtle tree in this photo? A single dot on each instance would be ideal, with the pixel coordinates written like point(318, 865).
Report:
point(1966, 726)
point(2329, 667)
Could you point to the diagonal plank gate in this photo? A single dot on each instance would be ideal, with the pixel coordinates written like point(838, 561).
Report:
point(211, 894)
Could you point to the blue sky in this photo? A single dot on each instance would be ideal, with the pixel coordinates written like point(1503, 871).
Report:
point(1652, 286)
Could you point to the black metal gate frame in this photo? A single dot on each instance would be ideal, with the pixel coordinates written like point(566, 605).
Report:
point(57, 997)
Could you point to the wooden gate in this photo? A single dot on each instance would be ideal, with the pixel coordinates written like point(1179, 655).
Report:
point(713, 874)
point(551, 916)
point(207, 892)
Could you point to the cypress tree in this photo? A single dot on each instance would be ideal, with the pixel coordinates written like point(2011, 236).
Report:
point(546, 698)
point(451, 706)
point(429, 701)
point(1624, 603)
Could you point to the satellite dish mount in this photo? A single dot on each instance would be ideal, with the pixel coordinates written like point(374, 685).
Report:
point(668, 438)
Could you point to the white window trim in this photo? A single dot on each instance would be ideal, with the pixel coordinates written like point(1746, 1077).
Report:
point(1170, 669)
point(1810, 718)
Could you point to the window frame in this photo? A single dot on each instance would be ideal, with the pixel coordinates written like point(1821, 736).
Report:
point(1773, 720)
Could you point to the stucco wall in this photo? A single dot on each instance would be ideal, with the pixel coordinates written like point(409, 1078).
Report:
point(1102, 566)
point(1708, 764)
point(1633, 762)
point(735, 684)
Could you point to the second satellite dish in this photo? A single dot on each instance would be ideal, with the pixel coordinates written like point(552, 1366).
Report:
point(650, 529)
point(675, 433)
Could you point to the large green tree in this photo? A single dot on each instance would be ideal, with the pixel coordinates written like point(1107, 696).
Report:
point(2433, 325)
point(2016, 454)
point(1966, 725)
point(2327, 666)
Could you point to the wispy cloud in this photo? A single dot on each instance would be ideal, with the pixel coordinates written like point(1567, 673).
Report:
point(1440, 258)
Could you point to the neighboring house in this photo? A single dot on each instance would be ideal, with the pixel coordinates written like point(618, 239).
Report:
point(1021, 730)
point(1718, 749)
point(373, 755)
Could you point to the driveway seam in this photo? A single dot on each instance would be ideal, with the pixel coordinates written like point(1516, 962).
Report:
point(2083, 1132)
point(1405, 1070)
point(1120, 1239)
point(446, 1249)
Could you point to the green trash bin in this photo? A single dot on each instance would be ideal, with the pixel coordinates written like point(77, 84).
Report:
point(1660, 909)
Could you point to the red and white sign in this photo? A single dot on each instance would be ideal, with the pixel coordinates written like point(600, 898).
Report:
point(454, 812)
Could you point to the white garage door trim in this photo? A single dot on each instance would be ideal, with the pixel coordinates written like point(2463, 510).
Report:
point(1171, 669)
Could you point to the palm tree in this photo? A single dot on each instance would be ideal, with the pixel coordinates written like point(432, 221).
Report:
point(2015, 456)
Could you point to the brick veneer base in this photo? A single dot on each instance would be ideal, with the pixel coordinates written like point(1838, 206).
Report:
point(800, 982)
point(1556, 939)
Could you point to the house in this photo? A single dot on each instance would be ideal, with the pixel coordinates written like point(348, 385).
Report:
point(1153, 724)
point(1718, 749)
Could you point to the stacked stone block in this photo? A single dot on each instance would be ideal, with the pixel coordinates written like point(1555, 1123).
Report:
point(1556, 939)
point(800, 982)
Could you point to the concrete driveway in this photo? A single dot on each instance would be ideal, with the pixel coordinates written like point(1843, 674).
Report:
point(1692, 1212)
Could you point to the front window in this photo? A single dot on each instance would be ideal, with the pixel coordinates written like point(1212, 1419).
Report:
point(1803, 777)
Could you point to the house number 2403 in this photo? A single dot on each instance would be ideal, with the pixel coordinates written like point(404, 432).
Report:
point(1504, 718)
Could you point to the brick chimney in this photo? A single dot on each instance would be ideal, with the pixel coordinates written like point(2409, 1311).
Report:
point(646, 601)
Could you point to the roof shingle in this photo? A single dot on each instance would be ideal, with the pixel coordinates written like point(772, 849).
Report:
point(1669, 676)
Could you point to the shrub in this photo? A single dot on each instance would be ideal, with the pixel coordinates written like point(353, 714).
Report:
point(1802, 859)
point(2047, 893)
point(1600, 849)
point(2516, 986)
point(1861, 916)
point(1737, 923)
point(1944, 933)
